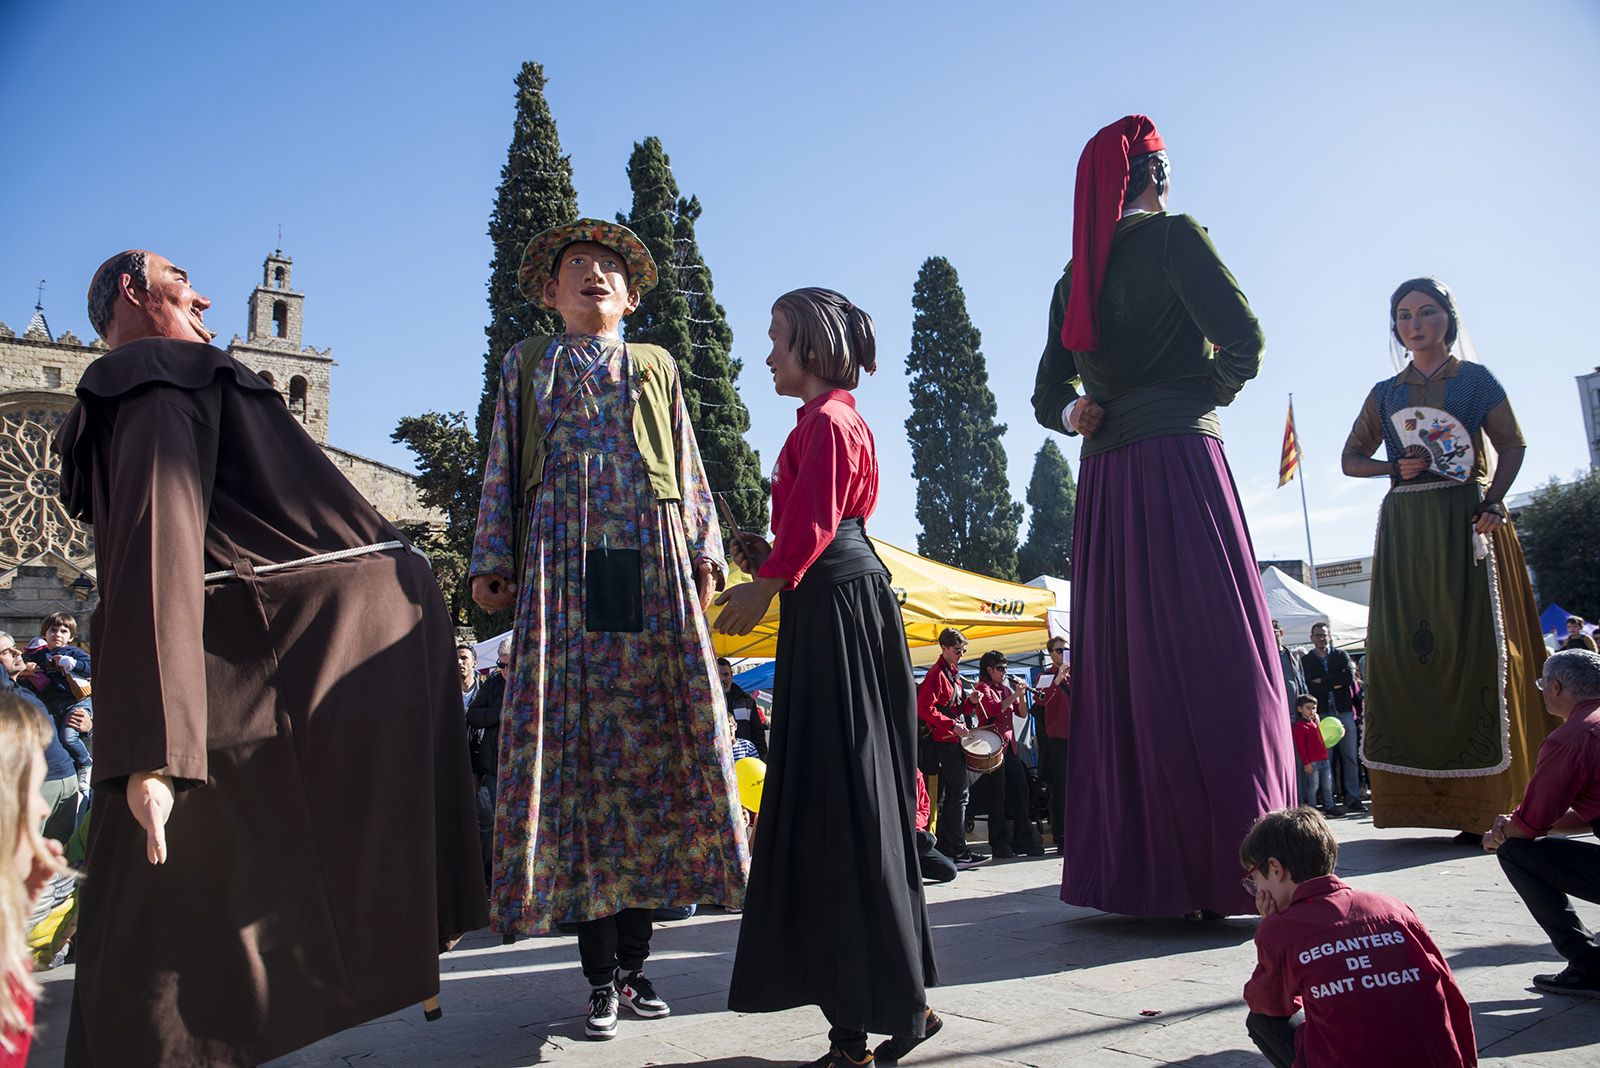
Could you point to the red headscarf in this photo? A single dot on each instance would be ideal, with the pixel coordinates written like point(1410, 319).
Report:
point(1096, 208)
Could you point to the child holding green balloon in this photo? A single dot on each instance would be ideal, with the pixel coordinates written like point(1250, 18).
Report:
point(1311, 755)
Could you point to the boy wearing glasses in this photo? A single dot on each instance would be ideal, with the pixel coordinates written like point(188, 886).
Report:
point(1343, 976)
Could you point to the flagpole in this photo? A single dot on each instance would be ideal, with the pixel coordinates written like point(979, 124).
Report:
point(1305, 510)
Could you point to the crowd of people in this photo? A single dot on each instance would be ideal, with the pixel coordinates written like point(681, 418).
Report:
point(270, 654)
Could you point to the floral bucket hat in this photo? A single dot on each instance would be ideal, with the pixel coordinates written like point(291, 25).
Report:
point(538, 257)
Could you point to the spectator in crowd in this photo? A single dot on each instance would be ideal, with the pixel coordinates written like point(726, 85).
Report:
point(1576, 638)
point(1343, 976)
point(483, 745)
point(746, 715)
point(1005, 790)
point(1294, 683)
point(1330, 678)
point(936, 867)
point(31, 864)
point(61, 670)
point(1311, 754)
point(942, 708)
point(1563, 797)
point(1056, 680)
point(60, 776)
point(467, 668)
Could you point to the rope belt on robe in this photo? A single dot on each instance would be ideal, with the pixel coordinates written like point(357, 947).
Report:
point(321, 558)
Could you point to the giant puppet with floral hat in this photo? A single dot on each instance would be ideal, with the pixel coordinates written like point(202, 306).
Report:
point(616, 787)
point(1179, 741)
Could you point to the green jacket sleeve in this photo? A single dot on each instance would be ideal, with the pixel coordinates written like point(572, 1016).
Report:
point(1054, 387)
point(1208, 290)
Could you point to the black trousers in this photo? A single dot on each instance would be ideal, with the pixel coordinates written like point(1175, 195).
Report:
point(1274, 1036)
point(620, 942)
point(936, 867)
point(952, 798)
point(1003, 794)
point(1548, 873)
point(1055, 769)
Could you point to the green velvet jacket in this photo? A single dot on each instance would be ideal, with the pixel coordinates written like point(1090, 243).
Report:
point(1177, 338)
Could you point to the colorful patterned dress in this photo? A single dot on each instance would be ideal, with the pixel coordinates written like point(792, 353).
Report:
point(616, 776)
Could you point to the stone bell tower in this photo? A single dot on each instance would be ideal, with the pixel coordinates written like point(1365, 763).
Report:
point(272, 346)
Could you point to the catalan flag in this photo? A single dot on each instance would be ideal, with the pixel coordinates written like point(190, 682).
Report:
point(1289, 464)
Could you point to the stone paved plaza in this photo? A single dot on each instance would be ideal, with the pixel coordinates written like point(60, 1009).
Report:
point(1027, 981)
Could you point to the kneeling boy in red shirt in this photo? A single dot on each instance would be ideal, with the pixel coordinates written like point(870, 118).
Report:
point(1344, 977)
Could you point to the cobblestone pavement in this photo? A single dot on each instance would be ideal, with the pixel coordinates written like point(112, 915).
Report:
point(1027, 981)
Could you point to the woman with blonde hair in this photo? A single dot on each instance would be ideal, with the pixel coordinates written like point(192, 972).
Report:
point(34, 860)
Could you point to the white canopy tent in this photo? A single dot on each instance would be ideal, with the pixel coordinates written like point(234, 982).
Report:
point(1297, 606)
point(1059, 618)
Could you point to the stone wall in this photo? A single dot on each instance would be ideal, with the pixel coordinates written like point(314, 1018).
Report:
point(391, 490)
point(284, 364)
point(39, 365)
point(35, 591)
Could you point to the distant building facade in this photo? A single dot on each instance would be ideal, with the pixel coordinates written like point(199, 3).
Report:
point(46, 558)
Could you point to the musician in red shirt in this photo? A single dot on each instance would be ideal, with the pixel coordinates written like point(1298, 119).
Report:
point(834, 915)
point(1056, 700)
point(1343, 976)
point(943, 704)
point(1004, 791)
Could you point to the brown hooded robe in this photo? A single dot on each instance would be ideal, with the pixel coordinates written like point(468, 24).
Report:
point(323, 838)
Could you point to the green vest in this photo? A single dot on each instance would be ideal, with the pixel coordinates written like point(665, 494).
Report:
point(652, 371)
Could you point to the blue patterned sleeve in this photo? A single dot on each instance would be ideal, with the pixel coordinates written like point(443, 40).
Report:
point(701, 531)
point(493, 546)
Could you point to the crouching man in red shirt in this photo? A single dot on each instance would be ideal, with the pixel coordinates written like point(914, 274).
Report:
point(1563, 797)
point(1344, 977)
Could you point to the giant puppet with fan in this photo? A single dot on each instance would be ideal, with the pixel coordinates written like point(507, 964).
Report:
point(1179, 741)
point(1453, 719)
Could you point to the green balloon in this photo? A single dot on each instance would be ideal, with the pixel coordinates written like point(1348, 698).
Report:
point(1332, 731)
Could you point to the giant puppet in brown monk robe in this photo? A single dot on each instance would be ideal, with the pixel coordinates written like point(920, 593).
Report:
point(284, 828)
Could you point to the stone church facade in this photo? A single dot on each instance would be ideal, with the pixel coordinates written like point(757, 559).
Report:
point(47, 559)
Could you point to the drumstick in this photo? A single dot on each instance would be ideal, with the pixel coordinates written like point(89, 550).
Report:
point(730, 523)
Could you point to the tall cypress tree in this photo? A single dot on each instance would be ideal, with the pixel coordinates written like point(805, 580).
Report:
point(535, 194)
point(963, 498)
point(1053, 498)
point(682, 315)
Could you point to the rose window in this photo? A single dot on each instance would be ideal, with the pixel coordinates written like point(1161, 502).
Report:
point(32, 517)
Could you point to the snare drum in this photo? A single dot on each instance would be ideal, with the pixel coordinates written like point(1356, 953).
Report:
point(983, 749)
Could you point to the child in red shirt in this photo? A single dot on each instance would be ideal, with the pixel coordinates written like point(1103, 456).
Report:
point(1344, 977)
point(1311, 756)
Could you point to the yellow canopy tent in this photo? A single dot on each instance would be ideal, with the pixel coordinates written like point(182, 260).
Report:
point(992, 613)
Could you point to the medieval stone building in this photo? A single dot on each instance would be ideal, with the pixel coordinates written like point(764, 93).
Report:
point(47, 559)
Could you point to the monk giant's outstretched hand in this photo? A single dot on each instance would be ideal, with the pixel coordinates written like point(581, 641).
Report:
point(493, 593)
point(150, 801)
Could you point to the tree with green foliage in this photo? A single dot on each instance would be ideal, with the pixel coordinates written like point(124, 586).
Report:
point(1052, 500)
point(535, 194)
point(682, 316)
point(1558, 539)
point(963, 496)
point(450, 481)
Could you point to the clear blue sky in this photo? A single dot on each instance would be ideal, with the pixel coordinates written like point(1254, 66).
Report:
point(1331, 153)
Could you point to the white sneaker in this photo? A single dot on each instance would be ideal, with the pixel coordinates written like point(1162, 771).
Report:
point(602, 1022)
point(640, 996)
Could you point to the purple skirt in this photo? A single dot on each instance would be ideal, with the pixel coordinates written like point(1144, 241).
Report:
point(1179, 738)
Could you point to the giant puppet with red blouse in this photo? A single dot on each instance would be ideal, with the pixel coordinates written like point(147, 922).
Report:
point(834, 914)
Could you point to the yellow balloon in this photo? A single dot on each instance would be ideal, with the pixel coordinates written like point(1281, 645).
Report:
point(1332, 731)
point(752, 775)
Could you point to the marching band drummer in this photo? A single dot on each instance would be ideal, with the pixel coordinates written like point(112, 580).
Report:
point(1004, 797)
point(834, 915)
point(942, 709)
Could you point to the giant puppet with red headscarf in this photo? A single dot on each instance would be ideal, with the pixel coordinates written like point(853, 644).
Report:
point(1178, 737)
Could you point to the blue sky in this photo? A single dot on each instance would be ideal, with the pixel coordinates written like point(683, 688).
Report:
point(1332, 152)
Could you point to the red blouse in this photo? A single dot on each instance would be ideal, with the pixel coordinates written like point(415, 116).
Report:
point(18, 1057)
point(827, 471)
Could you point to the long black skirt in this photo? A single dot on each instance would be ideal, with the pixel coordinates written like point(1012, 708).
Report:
point(834, 915)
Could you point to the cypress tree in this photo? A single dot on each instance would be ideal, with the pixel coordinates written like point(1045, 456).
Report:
point(1053, 497)
point(682, 315)
point(535, 194)
point(963, 497)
